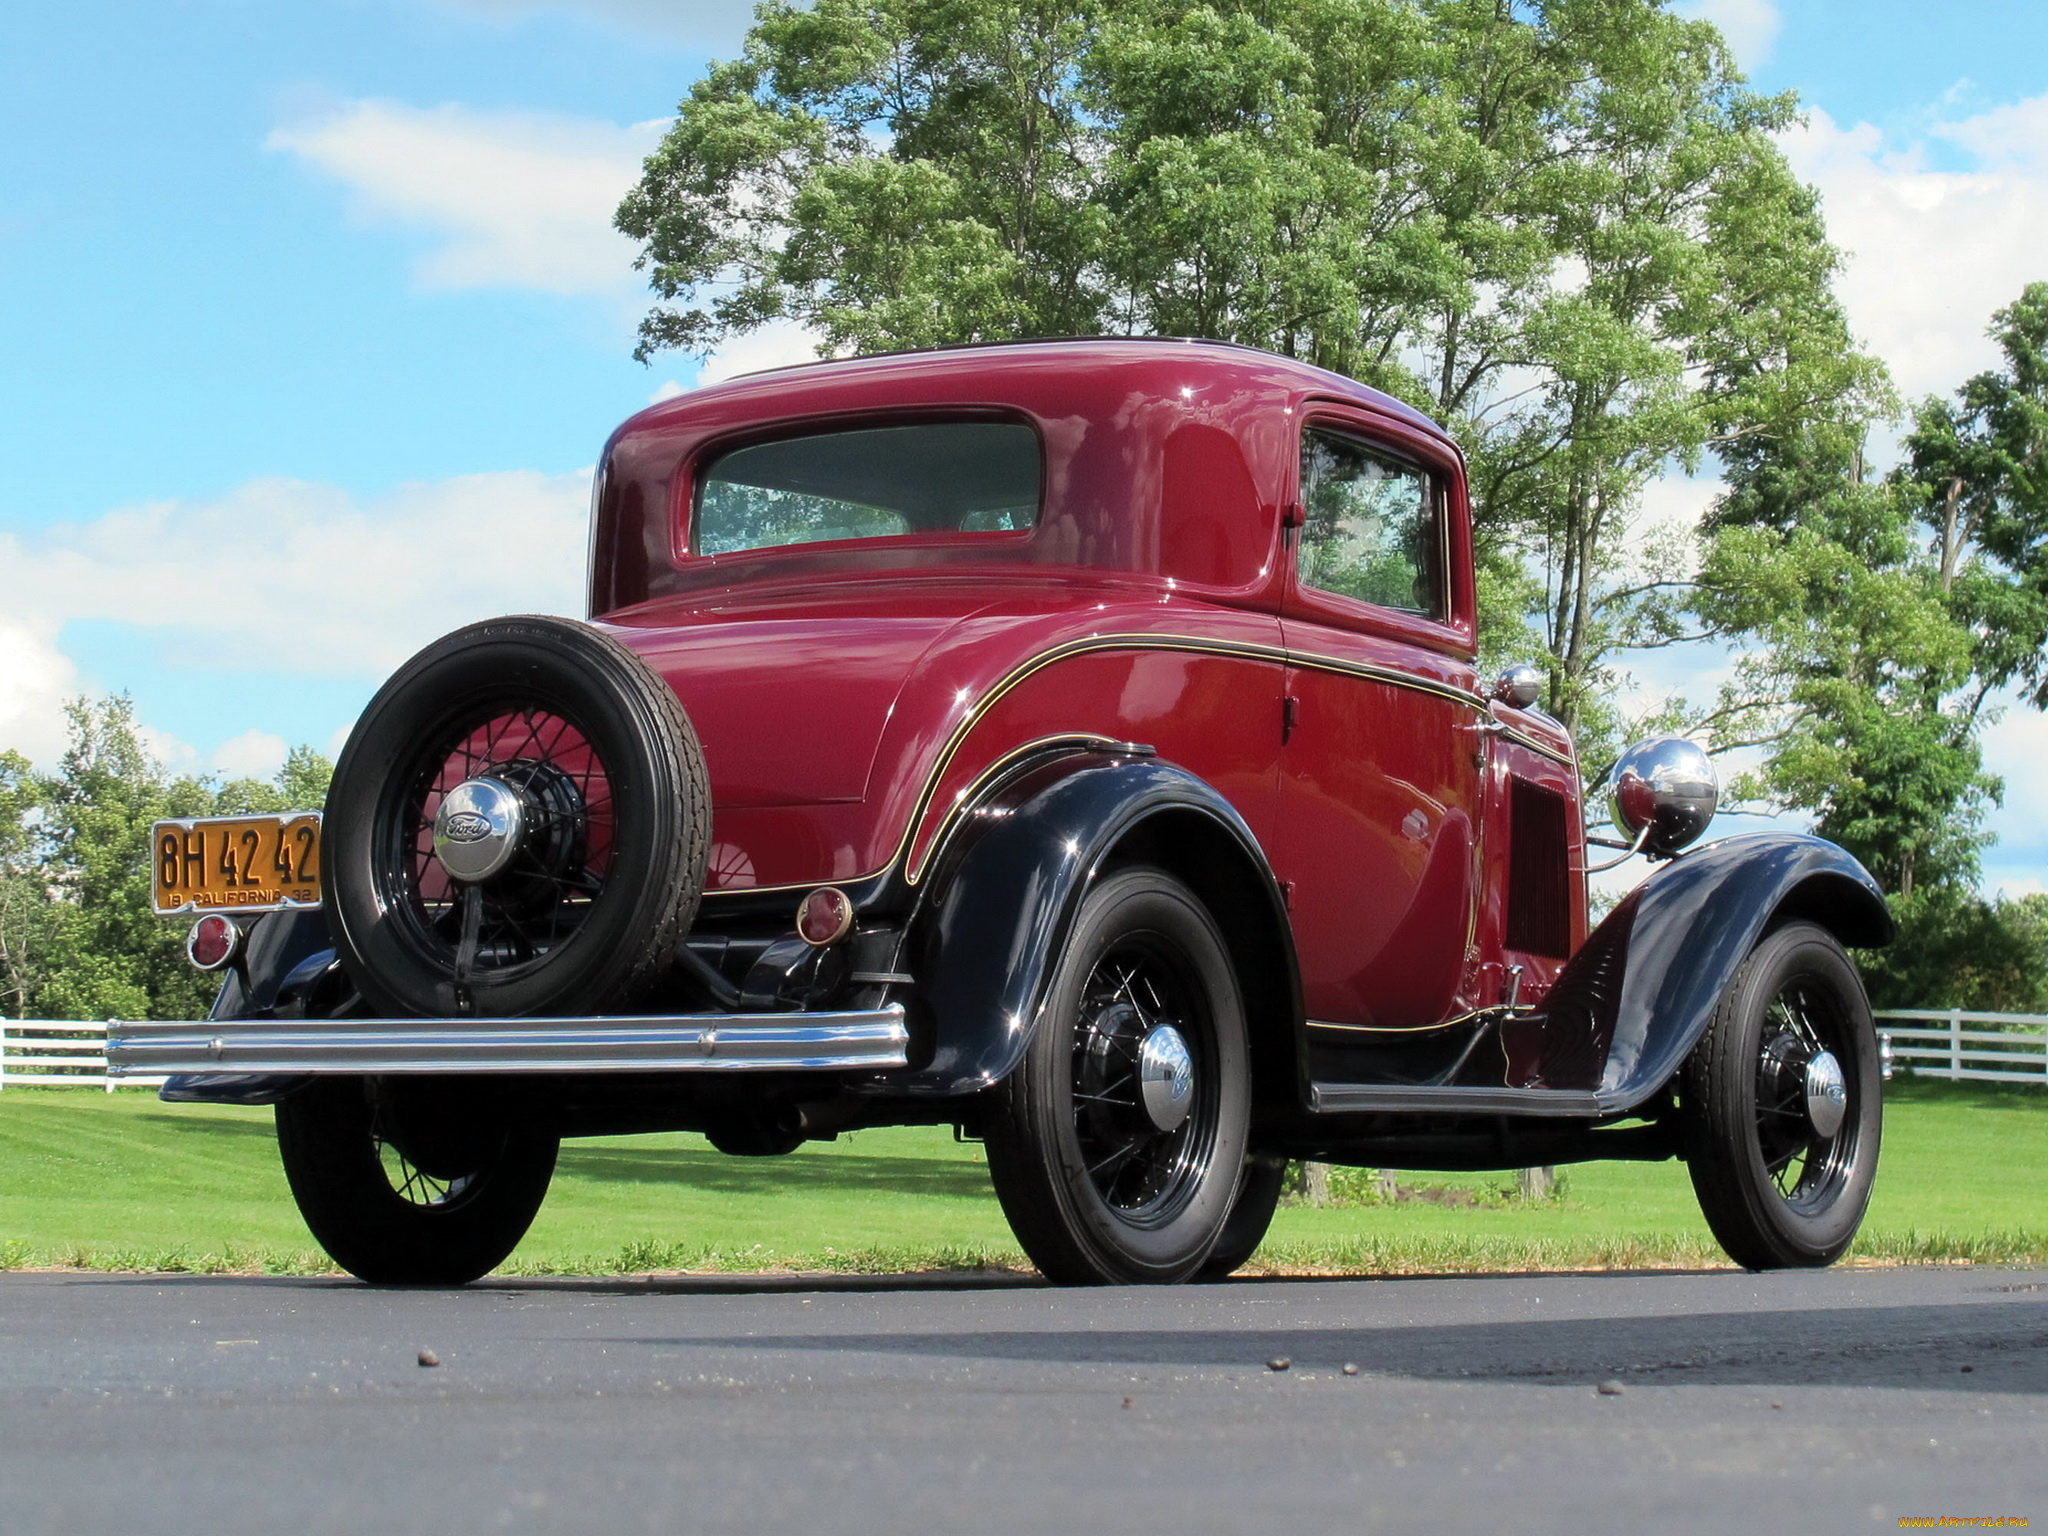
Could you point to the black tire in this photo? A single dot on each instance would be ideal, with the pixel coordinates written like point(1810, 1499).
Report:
point(1777, 1188)
point(1096, 1191)
point(608, 871)
point(1251, 1213)
point(439, 1207)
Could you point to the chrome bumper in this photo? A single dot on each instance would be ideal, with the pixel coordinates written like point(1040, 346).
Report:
point(724, 1042)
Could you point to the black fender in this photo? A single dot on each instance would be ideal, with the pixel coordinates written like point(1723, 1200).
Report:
point(283, 955)
point(989, 935)
point(1636, 998)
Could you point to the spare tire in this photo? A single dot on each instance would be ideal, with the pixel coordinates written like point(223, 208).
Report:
point(518, 825)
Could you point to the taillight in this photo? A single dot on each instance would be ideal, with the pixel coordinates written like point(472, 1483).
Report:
point(824, 916)
point(213, 942)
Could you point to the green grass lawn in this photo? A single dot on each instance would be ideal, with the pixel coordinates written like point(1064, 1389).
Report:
point(122, 1181)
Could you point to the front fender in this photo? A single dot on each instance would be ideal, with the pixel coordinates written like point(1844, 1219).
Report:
point(995, 929)
point(1642, 989)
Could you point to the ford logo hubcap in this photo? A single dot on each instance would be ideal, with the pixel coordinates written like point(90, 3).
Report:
point(466, 827)
point(478, 828)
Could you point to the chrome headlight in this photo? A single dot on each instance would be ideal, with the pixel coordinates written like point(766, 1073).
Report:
point(1663, 791)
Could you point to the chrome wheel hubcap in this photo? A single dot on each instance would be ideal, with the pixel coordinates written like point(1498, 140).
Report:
point(1166, 1078)
point(1827, 1093)
point(478, 828)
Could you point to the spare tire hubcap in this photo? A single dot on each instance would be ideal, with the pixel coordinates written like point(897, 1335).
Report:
point(478, 828)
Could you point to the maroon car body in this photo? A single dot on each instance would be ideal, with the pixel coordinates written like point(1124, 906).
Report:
point(1154, 602)
point(1115, 717)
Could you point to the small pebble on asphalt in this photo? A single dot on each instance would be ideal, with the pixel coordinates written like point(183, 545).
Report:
point(1350, 1369)
point(1278, 1363)
point(1610, 1389)
point(428, 1357)
point(1969, 1368)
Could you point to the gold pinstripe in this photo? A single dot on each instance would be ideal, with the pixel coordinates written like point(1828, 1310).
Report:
point(1242, 650)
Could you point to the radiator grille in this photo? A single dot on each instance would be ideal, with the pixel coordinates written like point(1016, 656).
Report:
point(1539, 879)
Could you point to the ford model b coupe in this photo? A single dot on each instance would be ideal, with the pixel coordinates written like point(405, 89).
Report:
point(1076, 743)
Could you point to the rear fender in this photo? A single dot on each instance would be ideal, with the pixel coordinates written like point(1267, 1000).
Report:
point(1642, 989)
point(1004, 899)
point(285, 955)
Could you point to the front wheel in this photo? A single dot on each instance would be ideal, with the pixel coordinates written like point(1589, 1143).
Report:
point(1251, 1213)
point(1116, 1144)
point(1782, 1106)
point(410, 1184)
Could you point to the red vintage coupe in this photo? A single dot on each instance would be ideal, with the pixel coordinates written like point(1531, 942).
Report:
point(1078, 743)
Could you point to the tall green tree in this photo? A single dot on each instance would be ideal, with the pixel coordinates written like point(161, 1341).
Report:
point(27, 910)
point(1562, 226)
point(78, 937)
point(1882, 618)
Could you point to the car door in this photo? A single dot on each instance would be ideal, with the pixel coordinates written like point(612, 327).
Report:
point(1380, 768)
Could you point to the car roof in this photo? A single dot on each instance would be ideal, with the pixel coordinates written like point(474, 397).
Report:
point(990, 361)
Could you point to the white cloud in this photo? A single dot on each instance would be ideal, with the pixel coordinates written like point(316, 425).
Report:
point(517, 199)
point(1674, 504)
point(669, 390)
point(712, 26)
point(1932, 252)
point(251, 755)
point(777, 344)
point(2014, 135)
point(324, 584)
point(2016, 748)
point(35, 680)
point(1750, 26)
point(175, 753)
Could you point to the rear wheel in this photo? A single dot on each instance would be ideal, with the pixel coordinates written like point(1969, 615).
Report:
point(518, 825)
point(411, 1185)
point(1115, 1146)
point(1251, 1213)
point(1782, 1105)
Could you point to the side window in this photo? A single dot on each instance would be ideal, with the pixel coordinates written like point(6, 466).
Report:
point(1372, 526)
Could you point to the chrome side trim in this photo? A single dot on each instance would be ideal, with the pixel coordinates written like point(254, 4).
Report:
point(1399, 1098)
point(722, 1042)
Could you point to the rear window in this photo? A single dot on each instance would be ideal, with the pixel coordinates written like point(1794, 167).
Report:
point(940, 478)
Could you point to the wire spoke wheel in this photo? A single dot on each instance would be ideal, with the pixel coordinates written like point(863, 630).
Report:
point(518, 825)
point(1117, 1142)
point(412, 1184)
point(1143, 1172)
point(1782, 1104)
point(553, 878)
point(415, 1186)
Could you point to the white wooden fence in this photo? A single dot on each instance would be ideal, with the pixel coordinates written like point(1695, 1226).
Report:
point(1936, 1042)
point(58, 1053)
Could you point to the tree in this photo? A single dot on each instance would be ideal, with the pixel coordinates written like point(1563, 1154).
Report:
point(1560, 225)
point(1884, 617)
point(78, 937)
point(1957, 950)
point(26, 909)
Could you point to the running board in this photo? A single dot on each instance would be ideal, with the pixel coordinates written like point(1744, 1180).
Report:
point(1410, 1099)
point(723, 1042)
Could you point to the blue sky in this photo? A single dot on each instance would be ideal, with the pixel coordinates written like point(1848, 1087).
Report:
point(312, 312)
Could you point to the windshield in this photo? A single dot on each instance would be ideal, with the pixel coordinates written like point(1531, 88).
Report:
point(940, 478)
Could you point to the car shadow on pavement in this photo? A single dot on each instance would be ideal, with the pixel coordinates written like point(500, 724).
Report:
point(1990, 1346)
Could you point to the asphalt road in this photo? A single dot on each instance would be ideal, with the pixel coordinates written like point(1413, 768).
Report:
point(1837, 1401)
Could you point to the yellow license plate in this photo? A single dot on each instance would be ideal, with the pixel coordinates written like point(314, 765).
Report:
point(237, 863)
